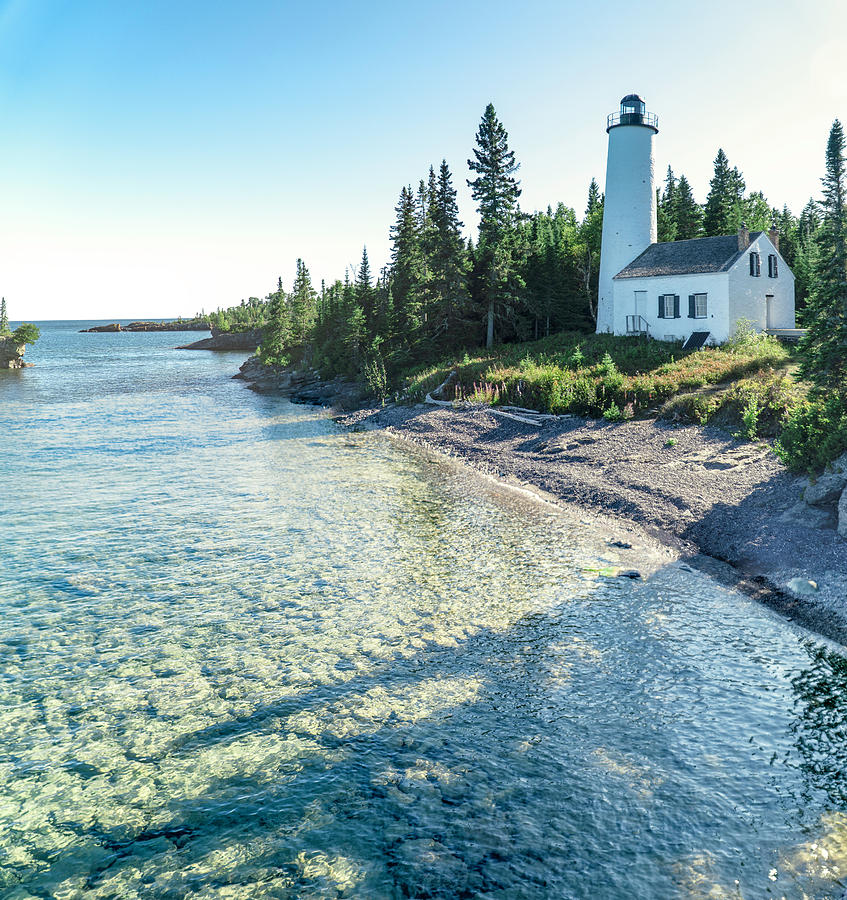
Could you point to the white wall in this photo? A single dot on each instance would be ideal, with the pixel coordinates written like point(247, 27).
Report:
point(714, 285)
point(629, 209)
point(747, 293)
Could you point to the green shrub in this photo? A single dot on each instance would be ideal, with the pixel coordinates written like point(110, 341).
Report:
point(26, 334)
point(815, 433)
point(376, 377)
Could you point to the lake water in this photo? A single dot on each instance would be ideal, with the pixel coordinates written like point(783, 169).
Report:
point(245, 653)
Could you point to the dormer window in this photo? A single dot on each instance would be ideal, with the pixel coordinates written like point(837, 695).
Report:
point(773, 270)
point(755, 265)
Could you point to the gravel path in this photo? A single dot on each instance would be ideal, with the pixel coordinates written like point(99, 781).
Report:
point(697, 489)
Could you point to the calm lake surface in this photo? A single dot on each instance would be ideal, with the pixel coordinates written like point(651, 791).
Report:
point(247, 654)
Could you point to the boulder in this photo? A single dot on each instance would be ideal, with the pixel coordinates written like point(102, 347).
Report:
point(842, 515)
point(827, 489)
point(840, 464)
point(809, 516)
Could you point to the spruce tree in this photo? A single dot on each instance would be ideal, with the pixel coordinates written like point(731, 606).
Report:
point(302, 304)
point(496, 192)
point(726, 191)
point(666, 209)
point(364, 293)
point(4, 319)
point(588, 251)
point(825, 345)
point(406, 267)
point(448, 265)
point(277, 333)
point(688, 214)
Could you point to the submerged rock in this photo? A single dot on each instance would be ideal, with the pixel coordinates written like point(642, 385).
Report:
point(802, 586)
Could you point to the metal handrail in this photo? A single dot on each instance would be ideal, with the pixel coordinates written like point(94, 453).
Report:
point(651, 120)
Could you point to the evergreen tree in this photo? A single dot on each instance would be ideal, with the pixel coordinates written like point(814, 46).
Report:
point(277, 333)
point(407, 265)
point(825, 345)
point(688, 214)
point(726, 191)
point(666, 204)
point(364, 293)
point(588, 249)
point(302, 305)
point(4, 319)
point(496, 192)
point(448, 266)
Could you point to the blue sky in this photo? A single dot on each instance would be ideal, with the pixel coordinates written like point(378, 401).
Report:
point(160, 158)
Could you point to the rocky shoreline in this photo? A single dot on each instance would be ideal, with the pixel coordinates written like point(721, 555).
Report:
point(228, 340)
point(696, 489)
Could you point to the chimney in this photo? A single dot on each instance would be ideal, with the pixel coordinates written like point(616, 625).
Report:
point(773, 234)
point(743, 237)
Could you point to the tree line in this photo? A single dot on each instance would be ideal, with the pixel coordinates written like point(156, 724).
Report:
point(527, 275)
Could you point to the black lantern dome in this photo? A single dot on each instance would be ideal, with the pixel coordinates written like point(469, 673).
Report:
point(633, 112)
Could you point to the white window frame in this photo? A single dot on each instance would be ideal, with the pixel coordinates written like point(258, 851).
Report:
point(668, 301)
point(698, 298)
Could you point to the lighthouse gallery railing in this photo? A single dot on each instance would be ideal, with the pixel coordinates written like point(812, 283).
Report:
point(619, 118)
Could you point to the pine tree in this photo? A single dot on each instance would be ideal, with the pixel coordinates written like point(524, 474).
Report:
point(726, 191)
point(4, 319)
point(496, 191)
point(825, 345)
point(688, 214)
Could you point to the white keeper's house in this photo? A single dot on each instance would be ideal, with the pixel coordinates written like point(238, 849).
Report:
point(677, 289)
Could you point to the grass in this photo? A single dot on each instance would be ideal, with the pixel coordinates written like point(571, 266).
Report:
point(620, 378)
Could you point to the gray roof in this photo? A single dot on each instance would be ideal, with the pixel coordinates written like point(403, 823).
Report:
point(708, 254)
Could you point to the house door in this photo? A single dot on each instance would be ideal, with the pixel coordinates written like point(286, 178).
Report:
point(640, 306)
point(769, 311)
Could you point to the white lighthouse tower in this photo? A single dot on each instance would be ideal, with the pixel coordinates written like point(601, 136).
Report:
point(629, 210)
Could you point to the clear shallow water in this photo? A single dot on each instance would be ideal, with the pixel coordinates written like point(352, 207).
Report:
point(245, 654)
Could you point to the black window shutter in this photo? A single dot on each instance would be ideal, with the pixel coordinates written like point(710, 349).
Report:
point(676, 306)
point(752, 263)
point(692, 309)
point(661, 306)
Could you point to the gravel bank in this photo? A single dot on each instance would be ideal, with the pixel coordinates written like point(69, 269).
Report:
point(697, 489)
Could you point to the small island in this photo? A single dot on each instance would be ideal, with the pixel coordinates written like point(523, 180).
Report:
point(13, 343)
point(198, 323)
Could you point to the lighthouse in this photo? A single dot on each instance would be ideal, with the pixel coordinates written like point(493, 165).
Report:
point(629, 209)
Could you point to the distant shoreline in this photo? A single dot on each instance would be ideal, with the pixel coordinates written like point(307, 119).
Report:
point(176, 325)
